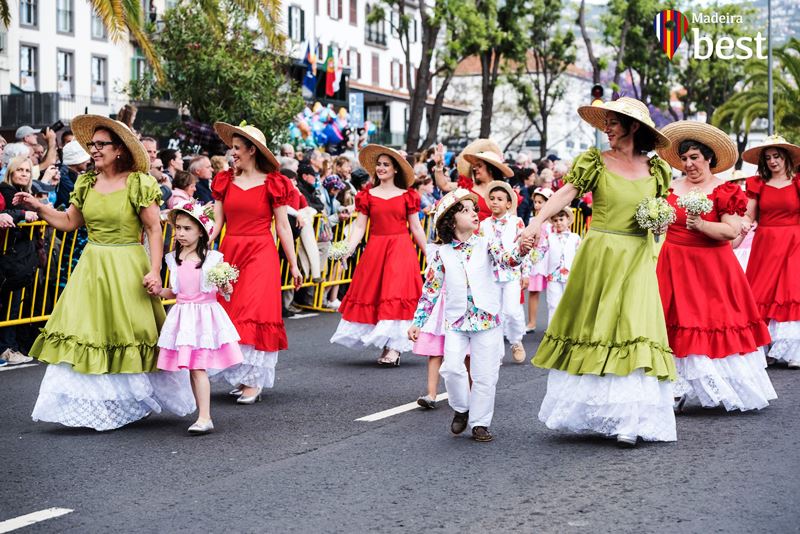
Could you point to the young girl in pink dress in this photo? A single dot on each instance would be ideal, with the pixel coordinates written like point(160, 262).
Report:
point(198, 335)
point(537, 282)
point(430, 342)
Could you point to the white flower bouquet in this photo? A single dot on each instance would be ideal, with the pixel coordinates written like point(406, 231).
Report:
point(339, 250)
point(655, 214)
point(221, 275)
point(695, 202)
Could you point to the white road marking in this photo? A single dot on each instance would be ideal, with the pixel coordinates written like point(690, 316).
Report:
point(397, 410)
point(18, 366)
point(29, 519)
point(302, 315)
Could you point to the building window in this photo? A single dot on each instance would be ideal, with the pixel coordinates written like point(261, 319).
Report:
point(354, 62)
point(28, 13)
point(395, 74)
point(354, 12)
point(28, 67)
point(64, 13)
point(98, 28)
point(99, 79)
point(140, 69)
point(66, 74)
point(335, 9)
point(376, 31)
point(297, 24)
point(375, 116)
point(376, 69)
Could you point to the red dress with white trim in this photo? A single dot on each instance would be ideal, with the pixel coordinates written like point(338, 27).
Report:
point(713, 324)
point(774, 260)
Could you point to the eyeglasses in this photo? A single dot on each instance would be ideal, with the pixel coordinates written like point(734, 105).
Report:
point(99, 145)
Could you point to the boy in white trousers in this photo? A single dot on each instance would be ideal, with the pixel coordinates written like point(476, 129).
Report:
point(506, 226)
point(557, 252)
point(471, 310)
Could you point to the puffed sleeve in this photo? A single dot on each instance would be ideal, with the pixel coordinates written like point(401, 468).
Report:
point(662, 172)
point(753, 186)
point(412, 202)
point(143, 190)
point(362, 202)
point(465, 182)
point(729, 199)
point(220, 183)
point(585, 171)
point(279, 189)
point(82, 186)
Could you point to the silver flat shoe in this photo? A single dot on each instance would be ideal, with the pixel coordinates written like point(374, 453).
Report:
point(625, 441)
point(199, 428)
point(677, 405)
point(252, 399)
point(427, 402)
point(235, 392)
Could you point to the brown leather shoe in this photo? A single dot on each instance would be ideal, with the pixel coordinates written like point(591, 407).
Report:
point(481, 433)
point(518, 352)
point(459, 423)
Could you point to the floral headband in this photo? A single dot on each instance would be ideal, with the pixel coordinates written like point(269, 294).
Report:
point(202, 214)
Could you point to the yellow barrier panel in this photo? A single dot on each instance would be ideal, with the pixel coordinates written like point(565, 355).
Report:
point(61, 250)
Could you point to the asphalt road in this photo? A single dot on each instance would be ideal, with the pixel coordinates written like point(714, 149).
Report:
point(299, 462)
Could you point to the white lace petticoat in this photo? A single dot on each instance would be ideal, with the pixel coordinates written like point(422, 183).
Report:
point(738, 382)
point(785, 341)
point(387, 333)
point(257, 369)
point(109, 401)
point(610, 405)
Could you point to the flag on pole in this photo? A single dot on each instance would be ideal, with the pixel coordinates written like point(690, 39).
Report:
point(337, 80)
point(310, 79)
point(330, 69)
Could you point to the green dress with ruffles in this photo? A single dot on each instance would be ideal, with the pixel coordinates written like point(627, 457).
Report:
point(610, 319)
point(104, 321)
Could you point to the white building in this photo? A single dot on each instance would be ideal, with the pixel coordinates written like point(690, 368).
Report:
point(567, 134)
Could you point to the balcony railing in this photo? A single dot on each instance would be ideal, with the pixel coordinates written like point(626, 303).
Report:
point(373, 36)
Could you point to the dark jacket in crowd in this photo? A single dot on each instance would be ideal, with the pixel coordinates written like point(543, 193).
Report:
point(310, 193)
point(203, 191)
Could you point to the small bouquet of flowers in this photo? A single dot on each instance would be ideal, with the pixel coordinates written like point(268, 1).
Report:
point(221, 275)
point(338, 250)
point(655, 214)
point(695, 202)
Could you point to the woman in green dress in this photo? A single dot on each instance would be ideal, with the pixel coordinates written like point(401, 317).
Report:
point(607, 348)
point(101, 340)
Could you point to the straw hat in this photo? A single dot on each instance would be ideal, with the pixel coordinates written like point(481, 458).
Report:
point(202, 214)
point(545, 192)
point(723, 146)
point(490, 158)
point(83, 126)
point(449, 201)
point(475, 147)
point(368, 157)
point(751, 155)
point(568, 212)
point(505, 186)
point(736, 175)
point(630, 107)
point(226, 132)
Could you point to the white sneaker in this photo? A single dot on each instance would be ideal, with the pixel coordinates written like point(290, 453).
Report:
point(14, 358)
point(791, 365)
point(333, 304)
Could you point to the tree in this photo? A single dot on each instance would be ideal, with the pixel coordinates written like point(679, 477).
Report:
point(222, 77)
point(121, 17)
point(597, 63)
point(707, 83)
point(743, 108)
point(539, 86)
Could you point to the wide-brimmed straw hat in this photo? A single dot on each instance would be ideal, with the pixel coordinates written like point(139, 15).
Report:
point(751, 155)
point(202, 214)
point(677, 132)
point(475, 147)
point(736, 175)
point(226, 132)
point(368, 157)
point(505, 186)
point(84, 126)
point(490, 158)
point(630, 107)
point(448, 202)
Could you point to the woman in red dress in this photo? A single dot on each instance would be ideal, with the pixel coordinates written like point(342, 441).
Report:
point(774, 201)
point(472, 176)
point(380, 303)
point(713, 324)
point(246, 198)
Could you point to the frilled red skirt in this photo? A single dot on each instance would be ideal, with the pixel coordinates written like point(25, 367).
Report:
point(773, 272)
point(708, 306)
point(255, 306)
point(386, 284)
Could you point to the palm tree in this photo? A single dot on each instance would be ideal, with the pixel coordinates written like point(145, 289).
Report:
point(739, 112)
point(122, 17)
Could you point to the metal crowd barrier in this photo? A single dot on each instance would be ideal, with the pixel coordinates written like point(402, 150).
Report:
point(61, 253)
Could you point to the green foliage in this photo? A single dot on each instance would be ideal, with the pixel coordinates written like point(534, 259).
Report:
point(742, 109)
point(222, 77)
